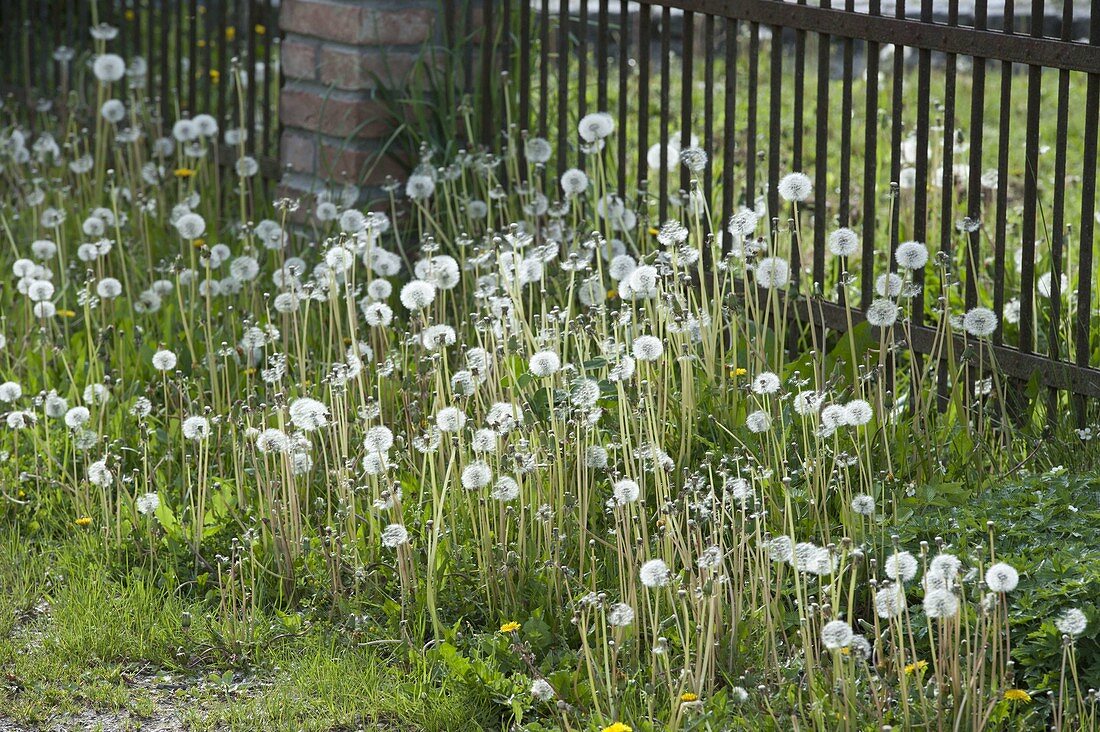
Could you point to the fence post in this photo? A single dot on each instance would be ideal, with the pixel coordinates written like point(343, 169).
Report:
point(337, 57)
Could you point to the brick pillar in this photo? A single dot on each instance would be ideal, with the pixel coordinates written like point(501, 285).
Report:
point(334, 55)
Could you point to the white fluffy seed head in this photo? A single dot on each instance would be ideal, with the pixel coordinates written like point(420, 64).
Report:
point(1002, 577)
point(655, 573)
point(836, 634)
point(795, 187)
point(911, 255)
point(980, 322)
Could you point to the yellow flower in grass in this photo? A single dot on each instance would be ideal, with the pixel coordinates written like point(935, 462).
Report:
point(1018, 695)
point(230, 33)
point(510, 627)
point(260, 29)
point(184, 172)
point(915, 667)
point(66, 313)
point(84, 521)
point(129, 14)
point(654, 231)
point(734, 373)
point(612, 294)
point(215, 75)
point(618, 727)
point(688, 697)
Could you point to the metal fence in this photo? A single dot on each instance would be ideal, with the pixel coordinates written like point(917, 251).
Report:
point(973, 130)
point(190, 51)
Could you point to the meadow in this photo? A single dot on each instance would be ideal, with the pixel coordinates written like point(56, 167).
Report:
point(507, 451)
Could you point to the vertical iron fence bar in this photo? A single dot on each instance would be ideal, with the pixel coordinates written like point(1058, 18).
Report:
point(686, 86)
point(870, 168)
point(947, 191)
point(644, 19)
point(845, 203)
point(224, 82)
point(666, 91)
point(1026, 342)
point(775, 129)
point(36, 50)
point(974, 176)
point(708, 107)
point(544, 70)
point(582, 75)
point(896, 123)
point(821, 159)
point(193, 71)
point(486, 44)
point(269, 123)
point(524, 121)
point(624, 82)
point(164, 83)
point(508, 77)
point(563, 80)
point(208, 64)
point(750, 121)
point(178, 87)
point(1003, 142)
point(1083, 341)
point(799, 96)
point(468, 41)
point(920, 192)
point(729, 102)
point(250, 72)
point(1058, 215)
point(603, 63)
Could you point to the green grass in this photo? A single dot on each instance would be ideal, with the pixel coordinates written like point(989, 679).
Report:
point(77, 638)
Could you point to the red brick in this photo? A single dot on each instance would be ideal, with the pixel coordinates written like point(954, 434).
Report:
point(355, 69)
point(337, 114)
point(356, 24)
point(299, 58)
point(298, 152)
point(357, 164)
point(329, 20)
point(408, 26)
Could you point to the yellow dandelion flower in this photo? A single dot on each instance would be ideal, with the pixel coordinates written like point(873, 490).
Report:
point(912, 668)
point(184, 172)
point(618, 727)
point(612, 294)
point(129, 14)
point(215, 75)
point(201, 43)
point(84, 521)
point(688, 697)
point(260, 29)
point(230, 33)
point(66, 313)
point(510, 627)
point(1018, 695)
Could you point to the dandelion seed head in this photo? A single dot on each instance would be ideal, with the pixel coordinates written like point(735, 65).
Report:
point(394, 536)
point(911, 255)
point(655, 573)
point(1072, 622)
point(980, 322)
point(843, 242)
point(836, 634)
point(795, 187)
point(1001, 577)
